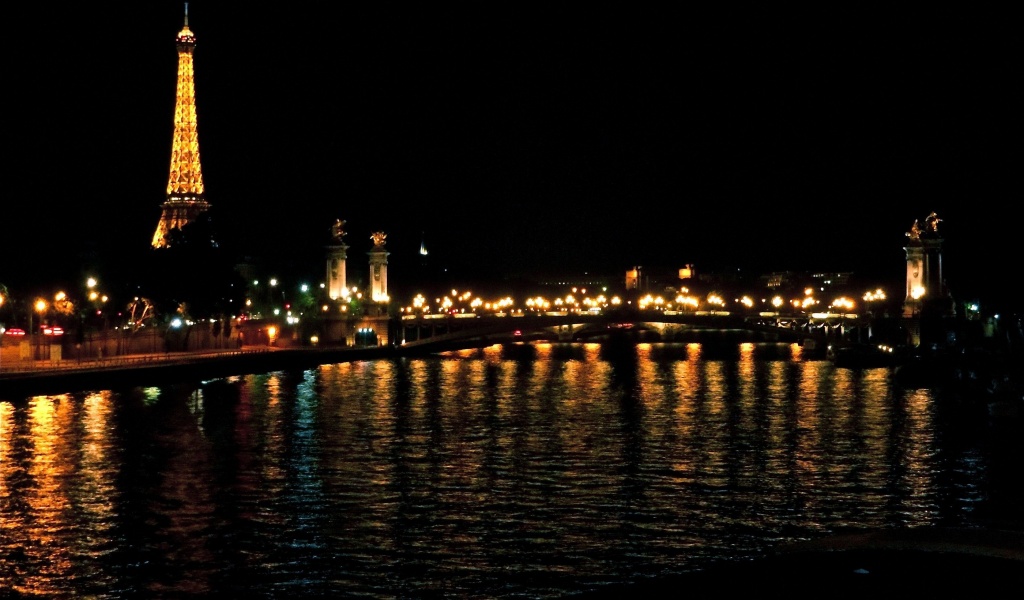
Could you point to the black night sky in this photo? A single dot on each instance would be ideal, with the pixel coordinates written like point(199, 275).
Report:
point(519, 138)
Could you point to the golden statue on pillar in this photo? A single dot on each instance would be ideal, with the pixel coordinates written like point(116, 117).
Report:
point(930, 228)
point(915, 231)
point(378, 239)
point(338, 230)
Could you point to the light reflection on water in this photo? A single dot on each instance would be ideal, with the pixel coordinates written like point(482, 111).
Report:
point(536, 470)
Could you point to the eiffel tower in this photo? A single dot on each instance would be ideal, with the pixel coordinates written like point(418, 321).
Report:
point(185, 197)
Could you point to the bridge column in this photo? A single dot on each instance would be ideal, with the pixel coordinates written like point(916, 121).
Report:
point(336, 256)
point(338, 329)
point(415, 330)
point(378, 268)
point(378, 323)
point(926, 287)
point(565, 333)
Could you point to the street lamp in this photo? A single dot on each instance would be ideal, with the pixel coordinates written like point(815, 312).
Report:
point(2, 330)
point(96, 318)
point(40, 306)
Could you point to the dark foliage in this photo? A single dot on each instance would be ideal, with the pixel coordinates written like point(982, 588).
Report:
point(193, 271)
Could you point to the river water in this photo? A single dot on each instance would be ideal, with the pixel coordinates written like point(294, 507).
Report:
point(526, 471)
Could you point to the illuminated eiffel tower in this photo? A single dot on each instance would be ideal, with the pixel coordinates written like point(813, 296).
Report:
point(185, 197)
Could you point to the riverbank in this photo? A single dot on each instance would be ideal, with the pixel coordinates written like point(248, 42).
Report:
point(58, 377)
point(988, 378)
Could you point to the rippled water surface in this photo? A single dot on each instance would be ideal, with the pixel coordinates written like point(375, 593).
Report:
point(526, 471)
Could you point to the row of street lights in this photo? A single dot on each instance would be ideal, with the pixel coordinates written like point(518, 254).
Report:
point(61, 305)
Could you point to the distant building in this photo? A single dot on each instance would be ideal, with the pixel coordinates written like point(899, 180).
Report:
point(648, 279)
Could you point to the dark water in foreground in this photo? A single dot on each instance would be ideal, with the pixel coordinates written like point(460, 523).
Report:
point(529, 472)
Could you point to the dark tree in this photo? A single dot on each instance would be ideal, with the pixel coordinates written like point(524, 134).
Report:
point(194, 272)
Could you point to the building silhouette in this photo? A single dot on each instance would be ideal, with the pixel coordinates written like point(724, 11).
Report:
point(186, 200)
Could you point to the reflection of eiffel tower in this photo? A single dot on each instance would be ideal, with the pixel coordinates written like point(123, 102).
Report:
point(185, 199)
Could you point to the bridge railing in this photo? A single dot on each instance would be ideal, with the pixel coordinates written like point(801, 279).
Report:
point(439, 330)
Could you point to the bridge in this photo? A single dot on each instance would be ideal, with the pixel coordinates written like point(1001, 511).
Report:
point(435, 333)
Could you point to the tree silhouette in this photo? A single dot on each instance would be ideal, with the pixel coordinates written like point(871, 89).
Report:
point(194, 270)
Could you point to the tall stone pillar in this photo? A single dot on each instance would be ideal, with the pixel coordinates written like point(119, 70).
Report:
point(925, 283)
point(378, 268)
point(336, 256)
point(928, 304)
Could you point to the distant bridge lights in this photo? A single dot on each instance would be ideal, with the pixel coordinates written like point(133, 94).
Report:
point(687, 302)
point(843, 303)
point(464, 303)
point(874, 296)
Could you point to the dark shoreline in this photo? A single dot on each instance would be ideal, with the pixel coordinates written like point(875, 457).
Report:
point(915, 561)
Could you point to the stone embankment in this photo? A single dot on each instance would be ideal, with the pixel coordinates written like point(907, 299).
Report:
point(58, 377)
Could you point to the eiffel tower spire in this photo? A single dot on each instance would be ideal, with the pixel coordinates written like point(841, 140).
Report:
point(185, 191)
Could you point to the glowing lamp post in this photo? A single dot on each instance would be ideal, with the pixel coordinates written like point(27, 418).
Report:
point(2, 330)
point(40, 306)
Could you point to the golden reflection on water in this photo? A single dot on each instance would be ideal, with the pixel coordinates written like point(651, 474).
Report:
point(589, 377)
point(7, 467)
point(747, 390)
point(272, 435)
point(917, 453)
point(649, 383)
point(41, 527)
point(474, 456)
point(98, 489)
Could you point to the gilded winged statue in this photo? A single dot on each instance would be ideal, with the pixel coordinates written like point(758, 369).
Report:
point(338, 229)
